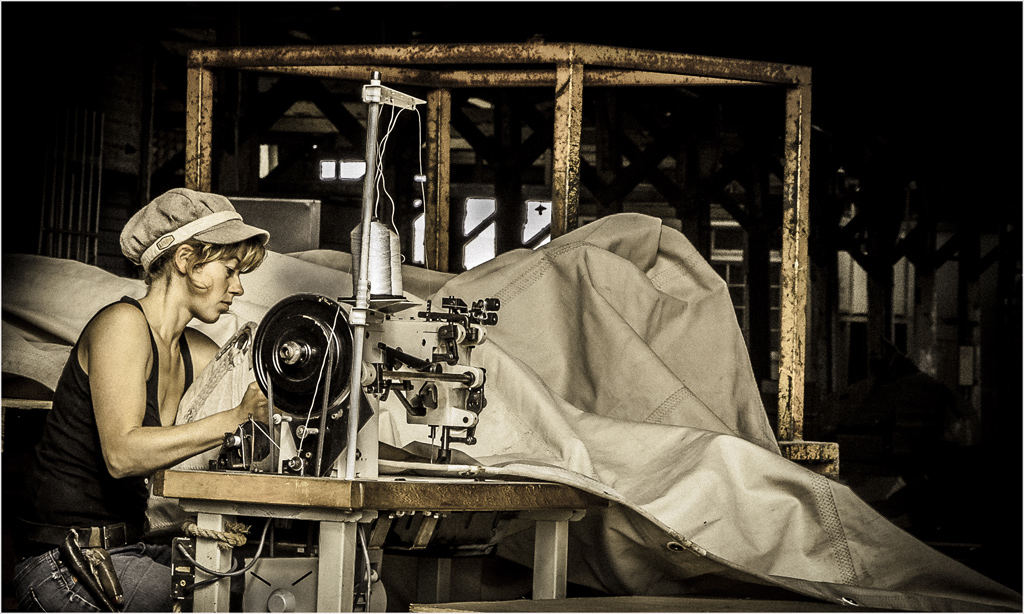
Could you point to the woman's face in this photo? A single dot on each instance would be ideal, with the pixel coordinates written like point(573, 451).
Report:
point(222, 282)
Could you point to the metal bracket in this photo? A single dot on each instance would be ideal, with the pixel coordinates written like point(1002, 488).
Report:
point(385, 95)
point(426, 531)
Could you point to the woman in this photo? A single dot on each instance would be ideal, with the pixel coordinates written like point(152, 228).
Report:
point(112, 422)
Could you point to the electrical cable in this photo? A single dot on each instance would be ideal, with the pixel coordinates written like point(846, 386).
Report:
point(232, 572)
point(366, 558)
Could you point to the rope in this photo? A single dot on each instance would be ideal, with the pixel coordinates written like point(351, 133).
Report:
point(233, 537)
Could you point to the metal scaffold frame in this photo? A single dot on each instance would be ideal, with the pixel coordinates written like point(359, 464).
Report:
point(567, 68)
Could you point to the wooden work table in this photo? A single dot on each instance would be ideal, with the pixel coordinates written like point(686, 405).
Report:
point(389, 493)
point(340, 505)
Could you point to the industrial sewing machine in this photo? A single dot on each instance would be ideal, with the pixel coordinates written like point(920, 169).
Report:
point(303, 360)
point(326, 365)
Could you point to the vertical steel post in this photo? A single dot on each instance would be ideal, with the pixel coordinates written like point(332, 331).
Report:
point(199, 132)
point(213, 597)
point(437, 207)
point(362, 290)
point(336, 566)
point(565, 197)
point(795, 265)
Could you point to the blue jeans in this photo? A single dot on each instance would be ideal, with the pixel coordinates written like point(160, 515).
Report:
point(44, 583)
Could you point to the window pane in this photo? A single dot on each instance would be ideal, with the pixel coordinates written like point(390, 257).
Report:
point(480, 249)
point(477, 210)
point(538, 217)
point(353, 170)
point(328, 169)
point(419, 226)
point(268, 159)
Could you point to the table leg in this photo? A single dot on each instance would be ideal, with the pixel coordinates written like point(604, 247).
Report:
point(550, 559)
point(217, 596)
point(337, 567)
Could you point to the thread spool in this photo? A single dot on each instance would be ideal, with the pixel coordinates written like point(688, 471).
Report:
point(379, 271)
point(396, 264)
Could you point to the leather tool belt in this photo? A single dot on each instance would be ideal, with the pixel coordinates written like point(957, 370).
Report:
point(94, 569)
point(84, 551)
point(106, 537)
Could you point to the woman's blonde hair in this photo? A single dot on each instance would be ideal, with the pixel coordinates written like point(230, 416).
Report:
point(250, 254)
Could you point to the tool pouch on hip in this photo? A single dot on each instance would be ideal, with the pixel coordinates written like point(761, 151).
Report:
point(76, 560)
point(103, 570)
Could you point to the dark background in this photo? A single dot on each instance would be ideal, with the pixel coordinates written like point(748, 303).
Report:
point(928, 93)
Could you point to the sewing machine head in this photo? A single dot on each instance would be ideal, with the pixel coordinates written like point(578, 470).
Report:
point(303, 359)
point(434, 378)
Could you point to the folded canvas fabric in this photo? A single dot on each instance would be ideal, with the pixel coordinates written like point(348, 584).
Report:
point(617, 367)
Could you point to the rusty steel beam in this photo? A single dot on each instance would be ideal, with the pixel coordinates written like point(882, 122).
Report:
point(436, 78)
point(199, 129)
point(687, 64)
point(565, 197)
point(627, 78)
point(437, 207)
point(544, 77)
point(508, 54)
point(538, 77)
point(382, 55)
point(795, 264)
point(520, 77)
point(389, 74)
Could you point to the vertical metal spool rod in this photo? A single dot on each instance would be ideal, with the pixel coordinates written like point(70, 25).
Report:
point(362, 289)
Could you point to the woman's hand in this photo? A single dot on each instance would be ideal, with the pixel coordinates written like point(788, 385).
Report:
point(254, 403)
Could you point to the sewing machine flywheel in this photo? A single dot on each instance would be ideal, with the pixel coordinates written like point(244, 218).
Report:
point(302, 347)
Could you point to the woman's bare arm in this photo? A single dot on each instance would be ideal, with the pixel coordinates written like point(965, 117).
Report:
point(118, 351)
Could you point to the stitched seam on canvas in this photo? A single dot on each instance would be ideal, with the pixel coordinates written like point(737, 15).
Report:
point(833, 528)
point(668, 406)
point(681, 268)
point(220, 370)
point(225, 361)
point(675, 271)
point(672, 403)
point(520, 284)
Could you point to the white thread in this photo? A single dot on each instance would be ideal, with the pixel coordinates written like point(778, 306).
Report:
point(379, 273)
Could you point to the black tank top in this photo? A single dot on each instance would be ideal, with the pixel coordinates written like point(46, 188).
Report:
point(69, 484)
